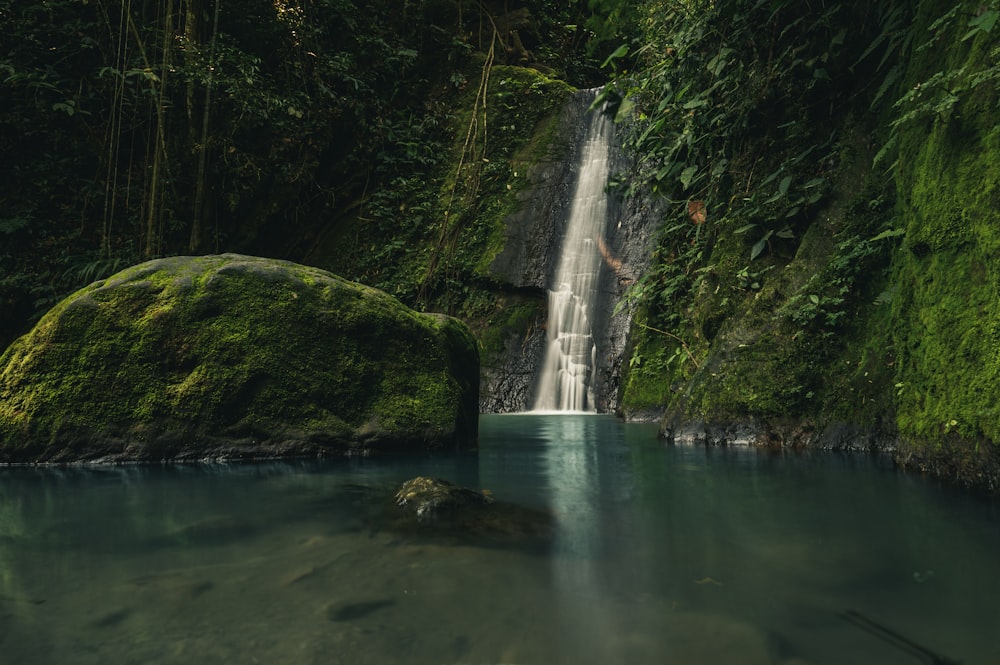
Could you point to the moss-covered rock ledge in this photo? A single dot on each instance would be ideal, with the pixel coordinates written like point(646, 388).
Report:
point(236, 357)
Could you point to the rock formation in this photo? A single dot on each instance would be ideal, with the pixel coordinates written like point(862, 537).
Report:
point(235, 357)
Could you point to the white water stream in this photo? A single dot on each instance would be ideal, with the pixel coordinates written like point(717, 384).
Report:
point(566, 381)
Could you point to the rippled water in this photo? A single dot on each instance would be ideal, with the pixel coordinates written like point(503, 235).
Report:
point(660, 555)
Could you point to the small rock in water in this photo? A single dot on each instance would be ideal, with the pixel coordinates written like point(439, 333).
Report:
point(432, 499)
point(213, 530)
point(352, 611)
point(437, 507)
point(172, 586)
point(112, 618)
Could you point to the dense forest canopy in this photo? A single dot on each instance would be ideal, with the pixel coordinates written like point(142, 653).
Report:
point(144, 128)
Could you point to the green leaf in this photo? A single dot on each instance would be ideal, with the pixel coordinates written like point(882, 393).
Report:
point(771, 177)
point(68, 107)
point(885, 298)
point(620, 52)
point(891, 77)
point(12, 224)
point(891, 233)
point(814, 299)
point(760, 245)
point(624, 110)
point(743, 229)
point(687, 175)
point(785, 183)
point(783, 186)
point(598, 102)
point(982, 23)
point(719, 62)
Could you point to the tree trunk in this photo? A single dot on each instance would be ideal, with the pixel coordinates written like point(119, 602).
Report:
point(194, 244)
point(154, 207)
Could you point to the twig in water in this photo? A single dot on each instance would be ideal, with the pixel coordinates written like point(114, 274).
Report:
point(897, 640)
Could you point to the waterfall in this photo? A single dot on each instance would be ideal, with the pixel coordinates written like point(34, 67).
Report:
point(566, 381)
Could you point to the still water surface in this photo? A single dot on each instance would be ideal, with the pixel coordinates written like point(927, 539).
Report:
point(661, 555)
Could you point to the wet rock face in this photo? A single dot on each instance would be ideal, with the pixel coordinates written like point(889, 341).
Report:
point(235, 357)
point(530, 257)
point(508, 386)
point(531, 251)
point(629, 240)
point(534, 231)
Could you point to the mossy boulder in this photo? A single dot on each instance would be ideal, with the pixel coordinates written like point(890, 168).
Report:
point(434, 500)
point(237, 357)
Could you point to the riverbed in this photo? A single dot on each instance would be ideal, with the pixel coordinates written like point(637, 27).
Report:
point(658, 555)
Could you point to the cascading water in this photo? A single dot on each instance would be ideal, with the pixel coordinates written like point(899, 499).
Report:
point(566, 381)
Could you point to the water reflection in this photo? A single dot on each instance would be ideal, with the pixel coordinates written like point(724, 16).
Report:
point(575, 486)
point(661, 555)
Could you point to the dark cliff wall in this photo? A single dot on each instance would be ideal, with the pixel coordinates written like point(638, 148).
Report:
point(532, 235)
point(533, 239)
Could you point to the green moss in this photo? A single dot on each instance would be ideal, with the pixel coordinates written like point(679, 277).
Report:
point(234, 347)
point(946, 314)
point(792, 336)
point(647, 387)
point(508, 315)
point(521, 109)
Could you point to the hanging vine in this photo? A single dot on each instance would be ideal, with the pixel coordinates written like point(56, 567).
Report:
point(473, 156)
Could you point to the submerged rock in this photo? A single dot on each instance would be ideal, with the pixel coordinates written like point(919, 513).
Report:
point(434, 507)
point(234, 356)
point(213, 530)
point(431, 500)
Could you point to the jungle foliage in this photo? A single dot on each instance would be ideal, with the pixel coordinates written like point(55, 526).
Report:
point(134, 129)
point(830, 166)
point(742, 114)
point(739, 115)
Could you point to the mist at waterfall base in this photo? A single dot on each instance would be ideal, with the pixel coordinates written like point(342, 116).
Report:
point(660, 555)
point(566, 377)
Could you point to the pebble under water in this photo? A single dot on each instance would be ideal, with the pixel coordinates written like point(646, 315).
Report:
point(658, 555)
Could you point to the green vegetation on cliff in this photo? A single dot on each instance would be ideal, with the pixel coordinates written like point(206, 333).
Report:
point(764, 267)
point(946, 303)
point(828, 272)
point(431, 236)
